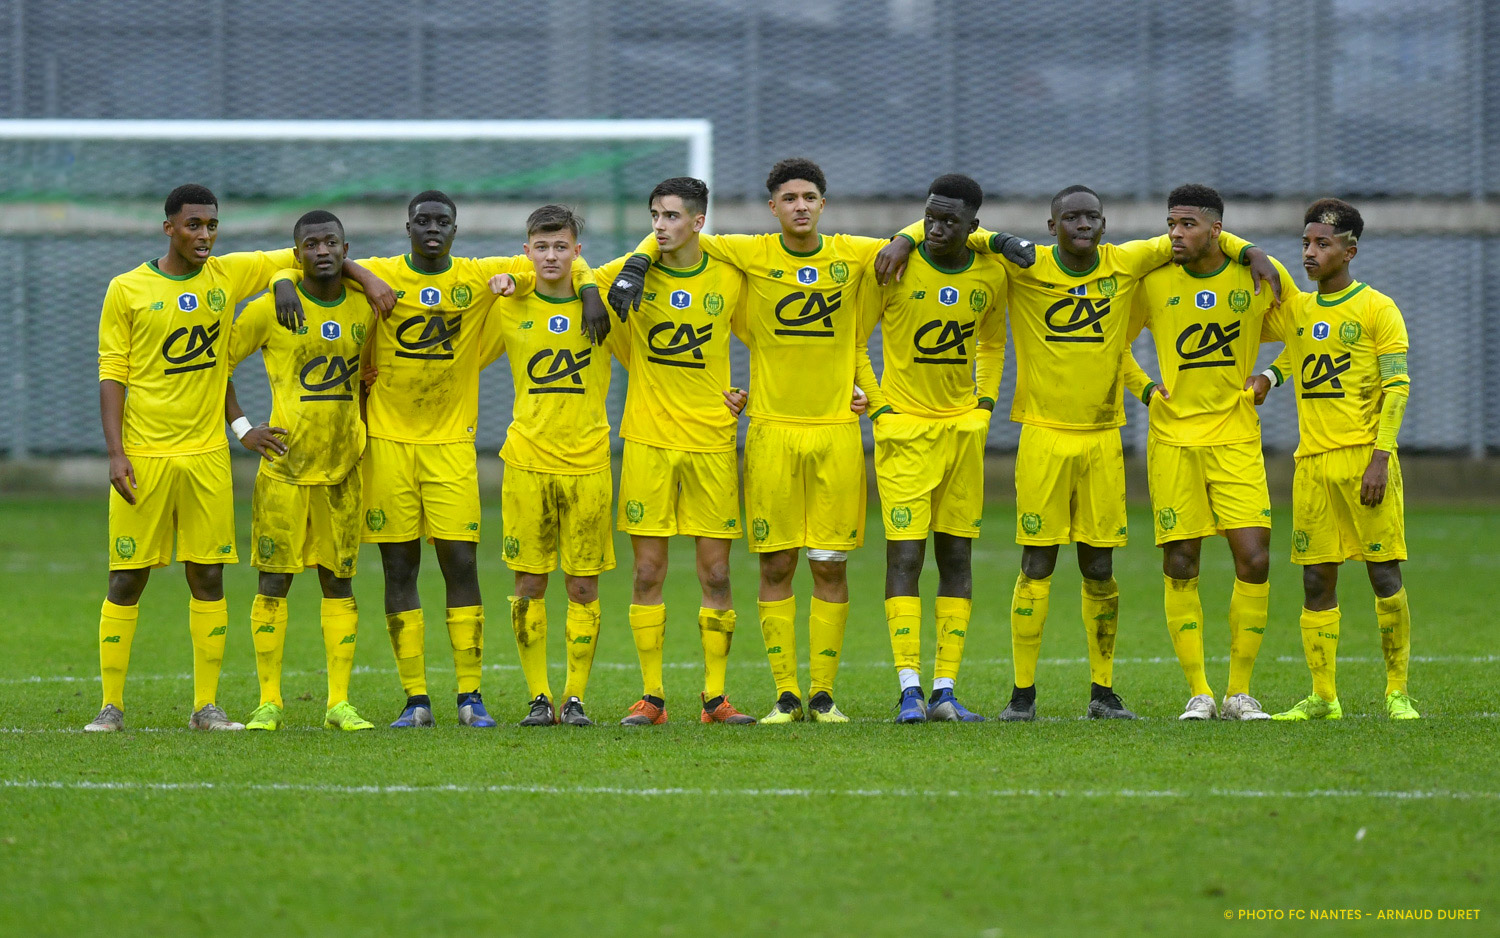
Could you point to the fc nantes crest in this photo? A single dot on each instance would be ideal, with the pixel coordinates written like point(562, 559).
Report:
point(978, 300)
point(1239, 300)
point(713, 304)
point(1108, 286)
point(839, 271)
point(462, 295)
point(216, 300)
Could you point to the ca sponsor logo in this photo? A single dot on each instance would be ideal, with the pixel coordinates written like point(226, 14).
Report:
point(190, 349)
point(808, 314)
point(682, 348)
point(1076, 319)
point(941, 336)
point(1031, 522)
point(329, 378)
point(1201, 340)
point(807, 275)
point(558, 371)
point(375, 519)
point(428, 337)
point(680, 299)
point(1320, 375)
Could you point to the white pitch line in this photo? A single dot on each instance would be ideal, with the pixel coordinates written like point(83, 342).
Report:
point(873, 793)
point(695, 666)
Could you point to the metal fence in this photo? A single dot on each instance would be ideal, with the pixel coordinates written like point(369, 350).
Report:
point(1262, 98)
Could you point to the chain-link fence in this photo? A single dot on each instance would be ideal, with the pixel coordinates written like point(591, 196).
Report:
point(1265, 99)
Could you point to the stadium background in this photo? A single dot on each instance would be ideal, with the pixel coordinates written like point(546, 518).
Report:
point(1391, 103)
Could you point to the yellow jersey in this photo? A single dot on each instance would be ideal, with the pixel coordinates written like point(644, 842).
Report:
point(1207, 329)
point(315, 376)
point(676, 347)
point(1070, 327)
point(426, 352)
point(159, 336)
point(558, 421)
point(942, 333)
point(1345, 351)
point(801, 321)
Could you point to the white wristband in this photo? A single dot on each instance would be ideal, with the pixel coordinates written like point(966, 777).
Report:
point(1271, 374)
point(241, 426)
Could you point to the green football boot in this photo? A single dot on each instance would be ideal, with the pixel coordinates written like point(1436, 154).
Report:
point(1312, 707)
point(1398, 706)
point(266, 717)
point(343, 716)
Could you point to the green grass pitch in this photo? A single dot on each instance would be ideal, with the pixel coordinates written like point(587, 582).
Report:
point(1062, 827)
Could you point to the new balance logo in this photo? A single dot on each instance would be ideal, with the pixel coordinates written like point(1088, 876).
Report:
point(828, 653)
point(959, 632)
point(218, 630)
point(196, 351)
point(1023, 612)
point(347, 640)
point(1203, 339)
point(903, 631)
point(773, 650)
point(583, 640)
point(428, 337)
point(1188, 627)
point(112, 639)
point(682, 349)
point(1257, 631)
point(266, 628)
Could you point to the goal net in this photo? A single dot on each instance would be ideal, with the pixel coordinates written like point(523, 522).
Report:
point(80, 201)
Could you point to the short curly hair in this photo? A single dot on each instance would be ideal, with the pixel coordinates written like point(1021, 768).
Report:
point(796, 167)
point(1343, 217)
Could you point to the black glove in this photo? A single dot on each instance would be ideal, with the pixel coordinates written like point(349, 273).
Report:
point(1018, 251)
point(595, 317)
point(630, 282)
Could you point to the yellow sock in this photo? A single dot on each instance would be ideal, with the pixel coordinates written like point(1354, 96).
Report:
point(116, 632)
point(1101, 616)
point(1394, 618)
point(648, 627)
point(408, 631)
point(1185, 628)
point(903, 617)
point(340, 621)
point(268, 634)
point(466, 634)
point(716, 630)
point(1320, 642)
point(1028, 613)
point(1247, 626)
point(952, 627)
point(208, 622)
point(528, 619)
point(826, 623)
point(582, 631)
point(778, 626)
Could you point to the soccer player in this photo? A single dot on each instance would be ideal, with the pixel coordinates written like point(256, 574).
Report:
point(943, 336)
point(680, 474)
point(1069, 314)
point(307, 503)
point(162, 383)
point(420, 469)
point(804, 459)
point(1346, 351)
point(1207, 474)
point(555, 497)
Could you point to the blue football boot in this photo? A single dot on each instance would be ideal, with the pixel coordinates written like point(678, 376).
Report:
point(945, 708)
point(911, 708)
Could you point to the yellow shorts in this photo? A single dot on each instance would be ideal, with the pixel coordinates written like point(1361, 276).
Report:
point(672, 491)
point(1070, 486)
point(1200, 491)
point(1330, 525)
point(805, 486)
point(547, 513)
point(293, 527)
point(931, 474)
point(192, 496)
point(415, 490)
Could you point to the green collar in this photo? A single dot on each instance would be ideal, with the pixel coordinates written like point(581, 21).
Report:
point(1057, 256)
point(428, 273)
point(155, 269)
point(343, 292)
point(922, 250)
point(1334, 299)
point(683, 272)
point(555, 299)
point(782, 239)
point(1214, 273)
